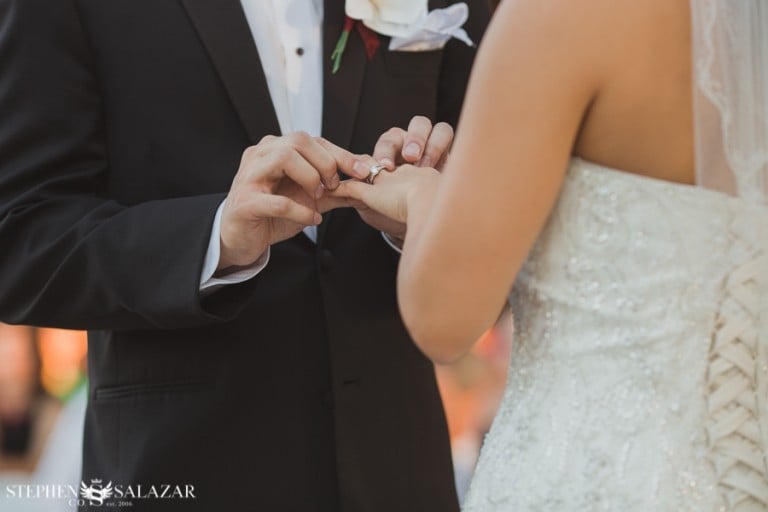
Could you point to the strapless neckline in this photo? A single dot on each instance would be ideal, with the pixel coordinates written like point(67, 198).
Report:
point(579, 165)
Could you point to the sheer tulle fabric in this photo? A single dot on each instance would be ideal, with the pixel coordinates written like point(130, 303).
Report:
point(731, 96)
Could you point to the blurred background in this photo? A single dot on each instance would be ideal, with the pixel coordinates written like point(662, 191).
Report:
point(43, 390)
point(42, 409)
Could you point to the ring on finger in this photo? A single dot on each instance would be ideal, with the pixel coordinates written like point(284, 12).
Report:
point(375, 171)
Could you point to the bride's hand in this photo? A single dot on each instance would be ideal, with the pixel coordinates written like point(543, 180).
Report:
point(392, 192)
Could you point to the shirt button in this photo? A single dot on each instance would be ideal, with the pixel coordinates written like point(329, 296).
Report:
point(299, 51)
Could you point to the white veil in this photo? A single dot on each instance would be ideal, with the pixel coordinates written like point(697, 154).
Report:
point(730, 48)
point(730, 63)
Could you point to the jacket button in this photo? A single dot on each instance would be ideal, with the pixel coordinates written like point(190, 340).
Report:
point(327, 261)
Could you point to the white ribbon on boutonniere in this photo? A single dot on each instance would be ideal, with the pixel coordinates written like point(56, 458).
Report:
point(409, 24)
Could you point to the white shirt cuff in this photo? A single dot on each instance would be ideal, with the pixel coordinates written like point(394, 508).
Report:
point(391, 243)
point(210, 284)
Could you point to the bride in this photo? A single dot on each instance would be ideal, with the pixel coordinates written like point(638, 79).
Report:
point(636, 241)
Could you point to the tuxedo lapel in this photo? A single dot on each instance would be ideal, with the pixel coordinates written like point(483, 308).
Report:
point(224, 31)
point(341, 92)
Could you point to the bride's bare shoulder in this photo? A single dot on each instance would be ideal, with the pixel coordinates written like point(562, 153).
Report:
point(608, 27)
point(597, 11)
point(627, 62)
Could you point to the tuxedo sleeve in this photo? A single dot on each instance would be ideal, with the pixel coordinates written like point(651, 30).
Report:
point(70, 256)
point(457, 63)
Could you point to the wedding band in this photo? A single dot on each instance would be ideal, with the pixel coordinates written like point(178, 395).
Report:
point(375, 171)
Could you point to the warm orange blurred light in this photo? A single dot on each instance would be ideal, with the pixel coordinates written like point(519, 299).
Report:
point(62, 355)
point(471, 388)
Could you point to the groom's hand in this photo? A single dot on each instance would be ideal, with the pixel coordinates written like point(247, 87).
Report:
point(274, 195)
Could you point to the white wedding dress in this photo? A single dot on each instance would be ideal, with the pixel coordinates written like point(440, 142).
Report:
point(639, 372)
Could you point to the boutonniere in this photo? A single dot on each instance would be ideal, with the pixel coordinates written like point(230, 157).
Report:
point(369, 37)
point(409, 24)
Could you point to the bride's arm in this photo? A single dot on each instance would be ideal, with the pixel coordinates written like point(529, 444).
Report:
point(538, 70)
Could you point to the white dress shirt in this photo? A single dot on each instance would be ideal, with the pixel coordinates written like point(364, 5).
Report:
point(289, 39)
point(288, 36)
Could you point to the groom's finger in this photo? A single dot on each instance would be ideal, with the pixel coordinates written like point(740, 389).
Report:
point(317, 156)
point(346, 162)
point(286, 162)
point(274, 206)
point(365, 165)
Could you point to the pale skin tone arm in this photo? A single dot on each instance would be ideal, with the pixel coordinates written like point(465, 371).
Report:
point(470, 230)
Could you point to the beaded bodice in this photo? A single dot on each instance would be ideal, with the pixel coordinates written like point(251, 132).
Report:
point(639, 368)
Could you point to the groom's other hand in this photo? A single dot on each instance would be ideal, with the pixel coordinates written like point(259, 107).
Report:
point(422, 144)
point(274, 196)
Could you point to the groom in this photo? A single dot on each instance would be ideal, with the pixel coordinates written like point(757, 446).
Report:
point(262, 370)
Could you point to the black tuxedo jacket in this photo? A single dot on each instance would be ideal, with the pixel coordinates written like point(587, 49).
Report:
point(122, 123)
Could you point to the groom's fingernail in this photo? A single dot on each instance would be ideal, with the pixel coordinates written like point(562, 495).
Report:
point(361, 169)
point(412, 150)
point(388, 163)
point(318, 219)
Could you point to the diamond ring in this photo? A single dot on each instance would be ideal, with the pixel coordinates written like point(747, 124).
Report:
point(375, 171)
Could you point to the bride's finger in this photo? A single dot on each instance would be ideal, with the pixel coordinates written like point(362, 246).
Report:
point(351, 190)
point(387, 200)
point(331, 201)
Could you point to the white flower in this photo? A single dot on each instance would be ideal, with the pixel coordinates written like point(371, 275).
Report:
point(409, 23)
point(388, 17)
